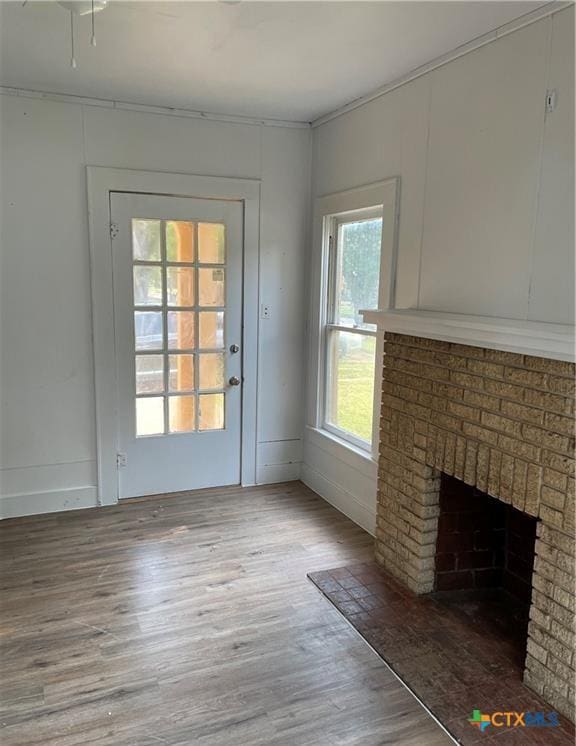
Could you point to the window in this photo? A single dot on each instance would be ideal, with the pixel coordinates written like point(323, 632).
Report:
point(353, 272)
point(354, 269)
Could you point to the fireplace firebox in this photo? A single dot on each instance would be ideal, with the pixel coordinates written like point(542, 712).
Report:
point(485, 560)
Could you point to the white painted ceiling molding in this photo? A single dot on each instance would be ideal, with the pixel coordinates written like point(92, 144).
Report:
point(146, 109)
point(554, 341)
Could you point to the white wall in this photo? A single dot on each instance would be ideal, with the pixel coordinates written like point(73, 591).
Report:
point(552, 279)
point(47, 447)
point(486, 198)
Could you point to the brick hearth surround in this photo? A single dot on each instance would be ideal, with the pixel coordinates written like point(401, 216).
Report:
point(504, 423)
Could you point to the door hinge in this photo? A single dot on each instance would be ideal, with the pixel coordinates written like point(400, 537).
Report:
point(550, 101)
point(113, 230)
point(121, 460)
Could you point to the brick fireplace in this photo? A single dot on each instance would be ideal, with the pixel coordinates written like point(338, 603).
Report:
point(501, 423)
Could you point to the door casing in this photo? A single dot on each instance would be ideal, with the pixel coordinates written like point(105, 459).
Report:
point(101, 181)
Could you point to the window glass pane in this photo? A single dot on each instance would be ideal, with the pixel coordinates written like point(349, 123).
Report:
point(148, 330)
point(211, 412)
point(149, 374)
point(182, 413)
point(147, 286)
point(146, 240)
point(357, 276)
point(211, 330)
point(179, 241)
point(211, 243)
point(212, 371)
point(180, 286)
point(351, 359)
point(181, 334)
point(211, 287)
point(150, 416)
point(181, 373)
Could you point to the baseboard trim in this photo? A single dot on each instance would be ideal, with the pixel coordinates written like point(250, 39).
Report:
point(272, 473)
point(51, 501)
point(339, 498)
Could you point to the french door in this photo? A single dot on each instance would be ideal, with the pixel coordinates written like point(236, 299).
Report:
point(177, 271)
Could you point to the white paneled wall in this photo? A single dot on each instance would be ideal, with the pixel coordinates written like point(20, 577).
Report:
point(282, 368)
point(486, 195)
point(153, 142)
point(47, 407)
point(47, 454)
point(551, 296)
point(485, 132)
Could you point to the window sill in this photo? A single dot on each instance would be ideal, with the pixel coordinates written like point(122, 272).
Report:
point(352, 455)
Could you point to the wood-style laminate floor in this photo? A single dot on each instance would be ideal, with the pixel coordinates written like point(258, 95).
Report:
point(189, 619)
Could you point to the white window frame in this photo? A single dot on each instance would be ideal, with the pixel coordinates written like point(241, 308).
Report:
point(380, 199)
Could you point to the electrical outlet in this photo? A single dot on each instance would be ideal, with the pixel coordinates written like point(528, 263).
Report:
point(265, 311)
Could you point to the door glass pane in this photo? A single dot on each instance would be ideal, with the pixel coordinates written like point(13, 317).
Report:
point(147, 286)
point(181, 334)
point(211, 287)
point(181, 411)
point(211, 330)
point(150, 416)
point(181, 373)
point(174, 334)
point(179, 241)
point(211, 411)
point(180, 285)
point(211, 240)
point(351, 360)
point(148, 330)
point(146, 240)
point(358, 271)
point(149, 374)
point(212, 371)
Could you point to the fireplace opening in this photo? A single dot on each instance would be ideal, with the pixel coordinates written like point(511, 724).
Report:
point(484, 563)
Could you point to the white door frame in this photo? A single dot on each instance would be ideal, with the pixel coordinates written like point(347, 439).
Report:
point(102, 181)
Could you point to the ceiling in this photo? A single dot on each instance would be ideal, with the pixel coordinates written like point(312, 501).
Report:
point(283, 60)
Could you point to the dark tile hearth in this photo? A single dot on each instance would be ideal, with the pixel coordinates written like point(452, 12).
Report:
point(456, 653)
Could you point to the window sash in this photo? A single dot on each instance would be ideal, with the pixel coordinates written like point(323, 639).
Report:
point(352, 329)
point(333, 226)
point(347, 435)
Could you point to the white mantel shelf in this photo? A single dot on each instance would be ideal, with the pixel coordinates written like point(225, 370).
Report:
point(555, 341)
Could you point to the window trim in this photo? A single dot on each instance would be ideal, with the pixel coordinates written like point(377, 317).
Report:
point(329, 208)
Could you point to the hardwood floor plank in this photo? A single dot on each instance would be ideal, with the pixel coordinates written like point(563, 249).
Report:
point(188, 619)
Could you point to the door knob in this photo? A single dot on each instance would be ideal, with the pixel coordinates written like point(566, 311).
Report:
point(234, 349)
point(234, 381)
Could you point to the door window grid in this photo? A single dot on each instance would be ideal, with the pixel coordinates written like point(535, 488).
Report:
point(204, 404)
